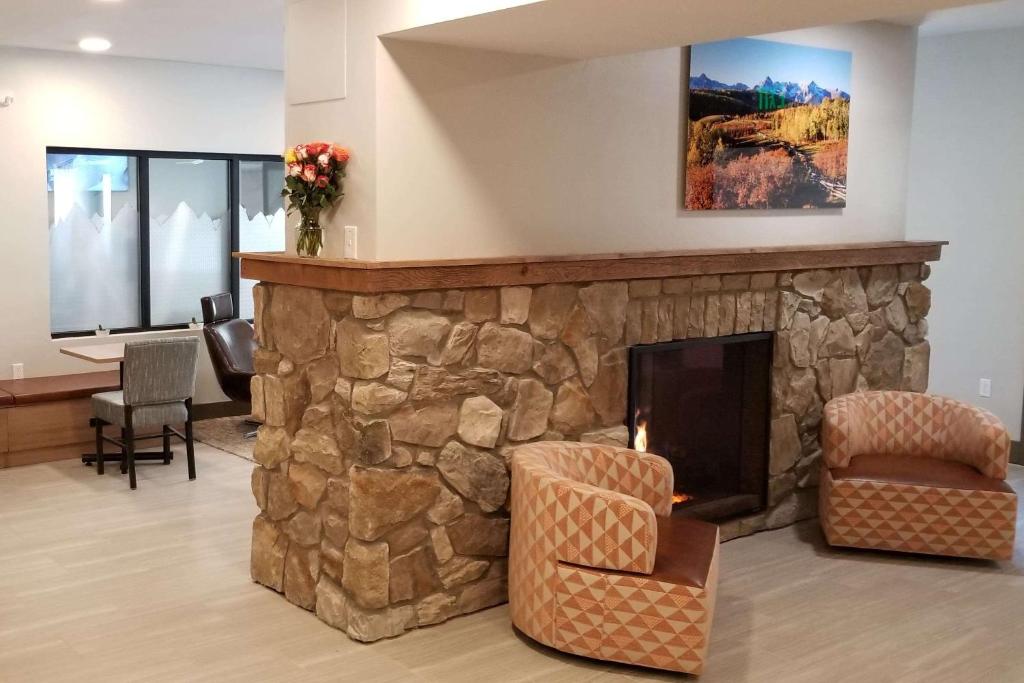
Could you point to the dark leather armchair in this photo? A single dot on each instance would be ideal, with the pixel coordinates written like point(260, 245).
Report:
point(231, 346)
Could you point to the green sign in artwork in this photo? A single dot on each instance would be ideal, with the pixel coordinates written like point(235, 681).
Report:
point(770, 101)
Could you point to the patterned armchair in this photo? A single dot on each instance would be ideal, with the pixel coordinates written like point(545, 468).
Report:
point(598, 566)
point(916, 473)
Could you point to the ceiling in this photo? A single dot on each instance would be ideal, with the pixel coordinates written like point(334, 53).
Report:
point(1006, 14)
point(250, 33)
point(247, 33)
point(579, 29)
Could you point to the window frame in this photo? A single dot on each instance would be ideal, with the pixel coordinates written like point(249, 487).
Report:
point(143, 157)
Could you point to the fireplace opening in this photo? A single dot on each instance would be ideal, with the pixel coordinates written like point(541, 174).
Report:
point(704, 405)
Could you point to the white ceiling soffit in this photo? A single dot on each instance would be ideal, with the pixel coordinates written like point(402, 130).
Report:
point(246, 33)
point(987, 17)
point(578, 29)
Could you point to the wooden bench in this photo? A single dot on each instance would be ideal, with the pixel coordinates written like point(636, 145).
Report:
point(47, 418)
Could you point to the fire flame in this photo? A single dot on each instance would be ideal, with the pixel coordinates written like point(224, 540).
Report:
point(640, 444)
point(640, 440)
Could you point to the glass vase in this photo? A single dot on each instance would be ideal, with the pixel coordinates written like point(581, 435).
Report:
point(310, 240)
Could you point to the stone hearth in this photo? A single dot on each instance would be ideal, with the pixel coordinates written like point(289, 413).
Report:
point(388, 418)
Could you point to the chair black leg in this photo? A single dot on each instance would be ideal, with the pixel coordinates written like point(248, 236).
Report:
point(167, 445)
point(124, 451)
point(99, 446)
point(130, 448)
point(190, 450)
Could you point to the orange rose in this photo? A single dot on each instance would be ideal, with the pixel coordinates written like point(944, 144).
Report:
point(315, 149)
point(340, 155)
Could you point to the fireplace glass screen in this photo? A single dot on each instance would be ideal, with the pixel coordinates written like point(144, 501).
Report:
point(704, 405)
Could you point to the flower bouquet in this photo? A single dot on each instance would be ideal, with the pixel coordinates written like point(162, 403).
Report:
point(314, 181)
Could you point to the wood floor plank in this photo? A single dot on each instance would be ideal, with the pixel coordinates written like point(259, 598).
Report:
point(101, 583)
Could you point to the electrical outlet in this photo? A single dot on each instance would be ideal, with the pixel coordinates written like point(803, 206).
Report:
point(985, 387)
point(18, 370)
point(350, 241)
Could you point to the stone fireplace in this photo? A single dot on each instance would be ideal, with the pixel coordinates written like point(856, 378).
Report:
point(705, 406)
point(393, 393)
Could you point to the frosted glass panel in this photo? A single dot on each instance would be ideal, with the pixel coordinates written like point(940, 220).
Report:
point(94, 241)
point(261, 221)
point(189, 236)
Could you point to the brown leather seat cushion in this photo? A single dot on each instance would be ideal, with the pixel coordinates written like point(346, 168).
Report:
point(685, 549)
point(918, 471)
point(6, 399)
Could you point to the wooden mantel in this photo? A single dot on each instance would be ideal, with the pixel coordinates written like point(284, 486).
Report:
point(394, 276)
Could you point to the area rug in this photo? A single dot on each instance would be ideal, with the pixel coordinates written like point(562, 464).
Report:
point(227, 434)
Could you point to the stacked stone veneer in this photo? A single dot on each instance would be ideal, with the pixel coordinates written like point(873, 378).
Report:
point(388, 420)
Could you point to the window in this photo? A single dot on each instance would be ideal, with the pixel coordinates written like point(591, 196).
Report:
point(260, 217)
point(138, 237)
point(189, 233)
point(94, 241)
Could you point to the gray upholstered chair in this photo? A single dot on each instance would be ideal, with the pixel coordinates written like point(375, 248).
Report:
point(159, 380)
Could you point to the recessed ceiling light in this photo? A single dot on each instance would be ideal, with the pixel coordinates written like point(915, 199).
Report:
point(94, 44)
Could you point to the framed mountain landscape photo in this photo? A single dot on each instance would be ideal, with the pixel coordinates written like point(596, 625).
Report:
point(768, 125)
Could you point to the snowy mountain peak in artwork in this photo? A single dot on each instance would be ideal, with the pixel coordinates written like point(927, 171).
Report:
point(703, 82)
point(812, 93)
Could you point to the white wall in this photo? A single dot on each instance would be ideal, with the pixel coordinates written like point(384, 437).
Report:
point(490, 154)
point(460, 153)
point(96, 101)
point(467, 153)
point(965, 171)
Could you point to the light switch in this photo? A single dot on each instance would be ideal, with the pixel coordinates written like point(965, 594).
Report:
point(350, 242)
point(985, 387)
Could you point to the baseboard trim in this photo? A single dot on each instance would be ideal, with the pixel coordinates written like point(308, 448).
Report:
point(77, 432)
point(71, 451)
point(211, 411)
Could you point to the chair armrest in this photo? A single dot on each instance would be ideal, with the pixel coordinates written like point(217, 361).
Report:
point(644, 476)
point(843, 433)
point(976, 437)
point(603, 529)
